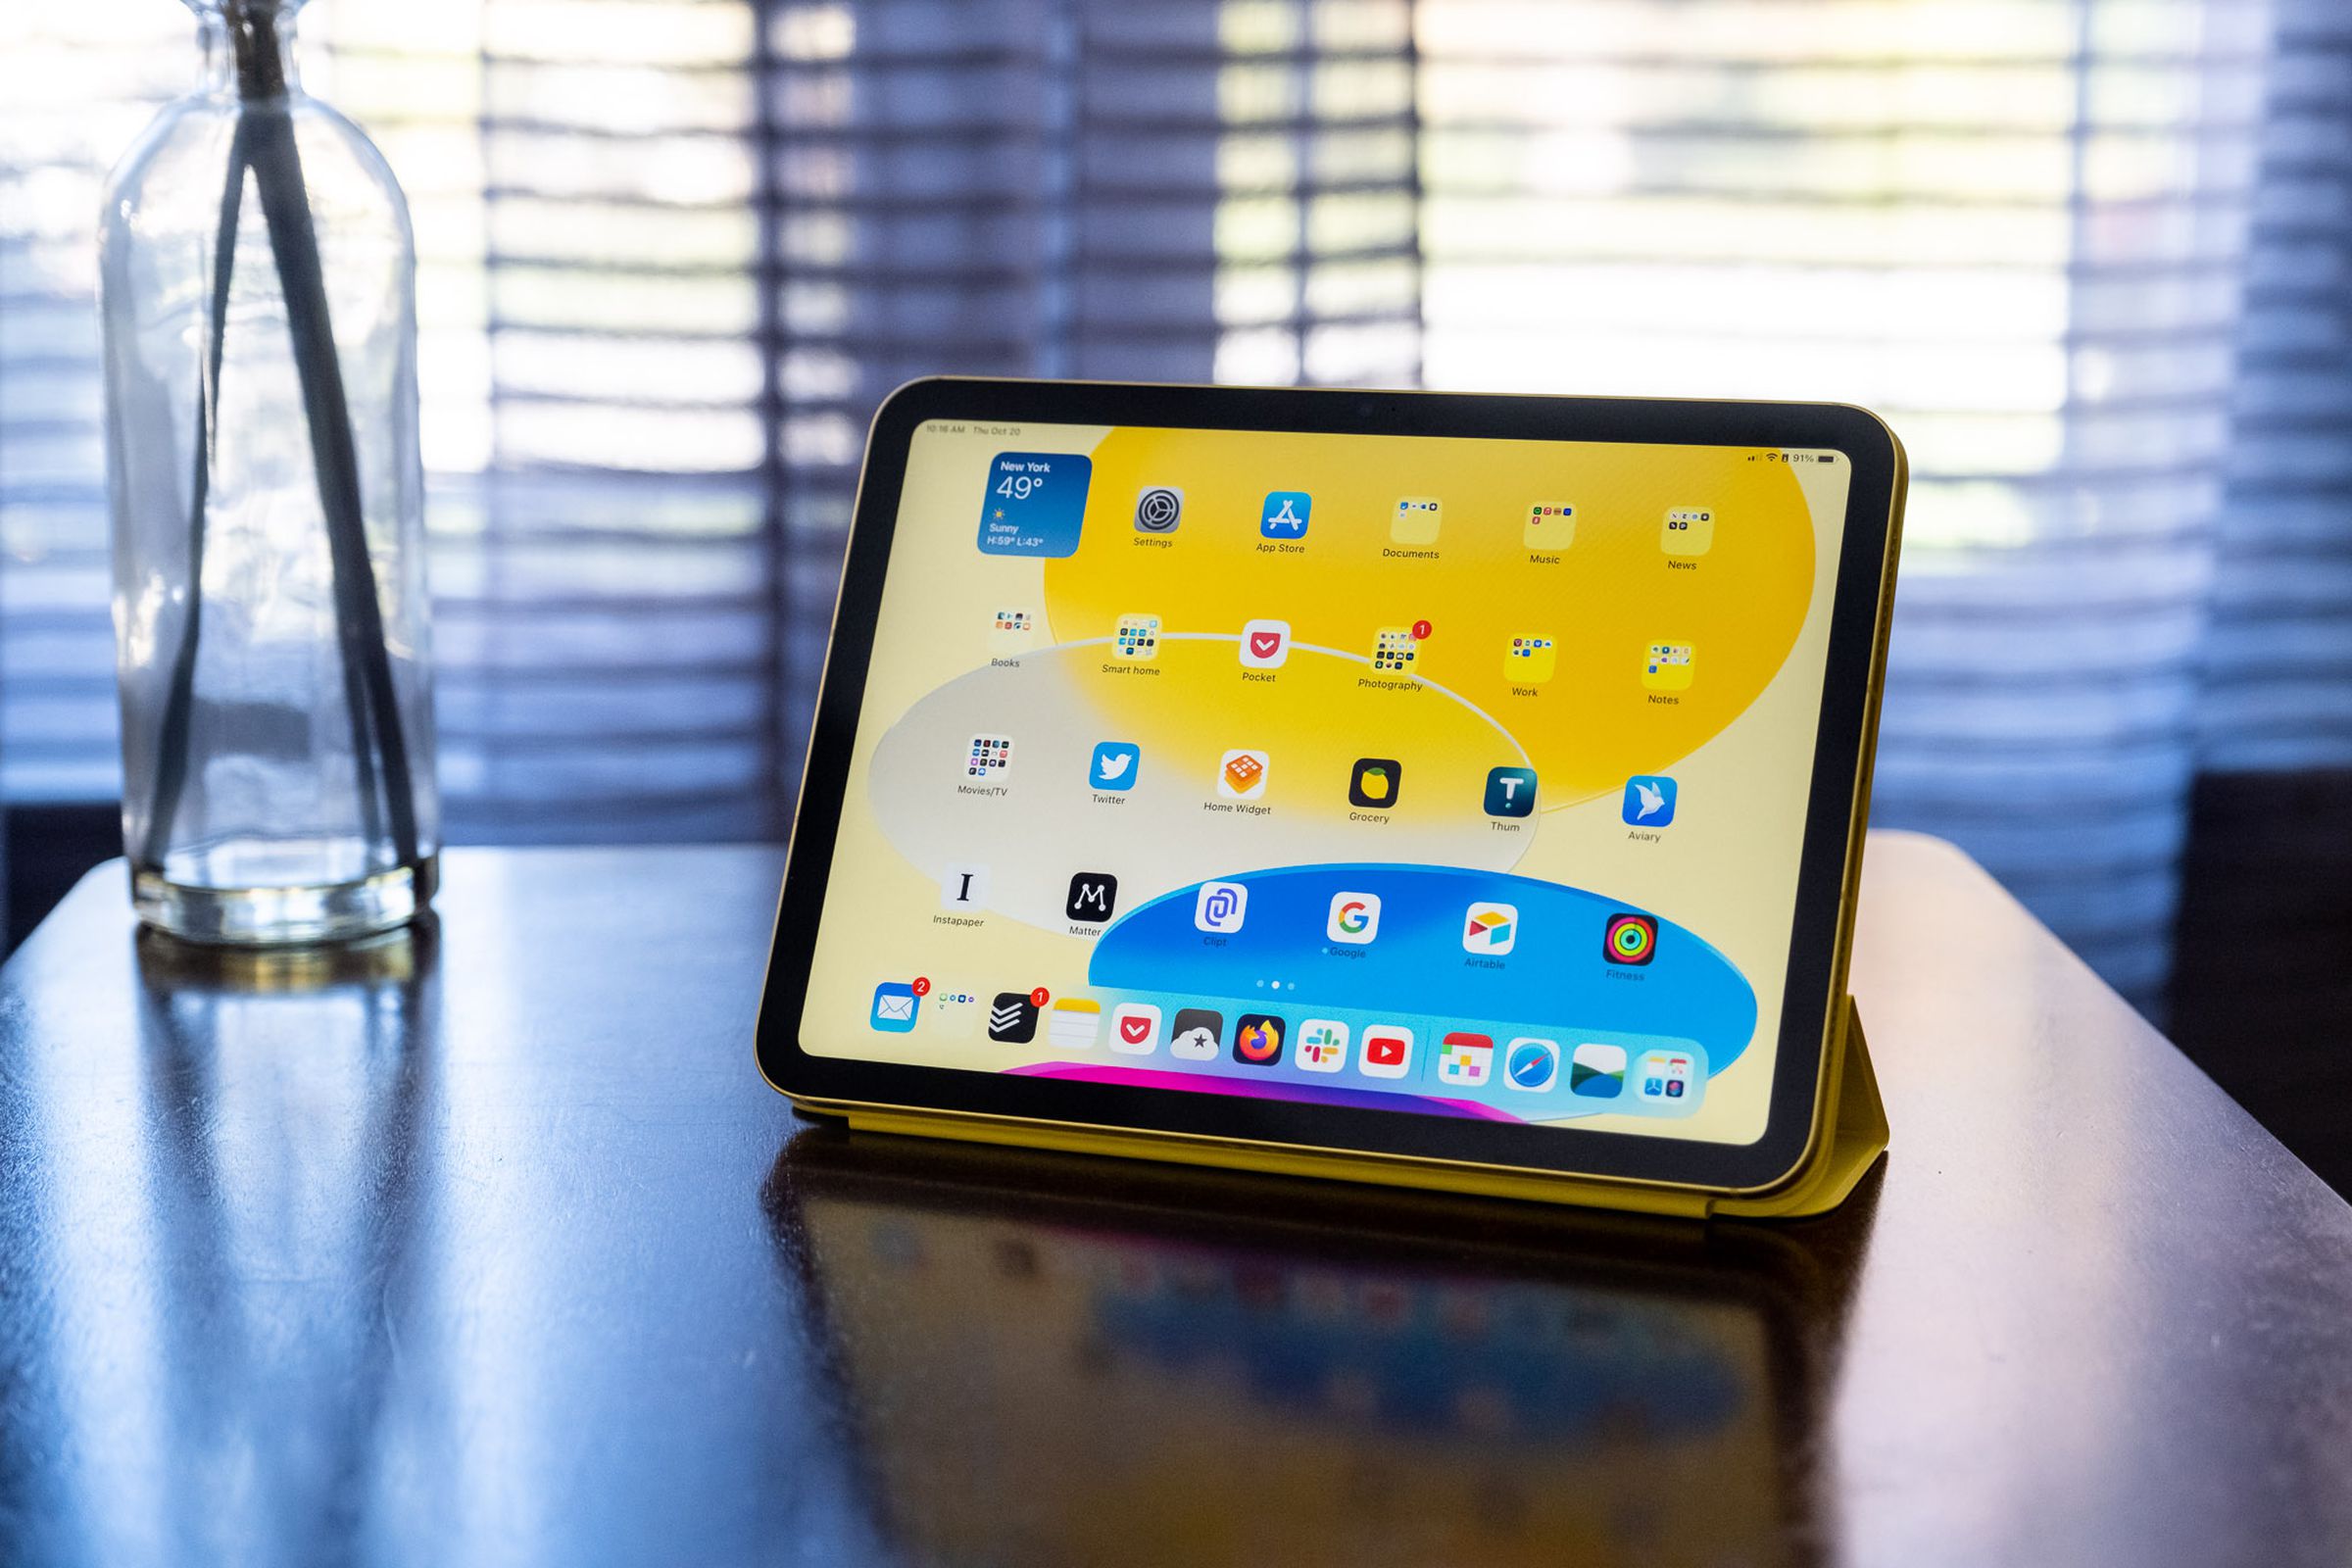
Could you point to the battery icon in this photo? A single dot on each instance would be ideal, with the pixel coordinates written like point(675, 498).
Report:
point(1827, 457)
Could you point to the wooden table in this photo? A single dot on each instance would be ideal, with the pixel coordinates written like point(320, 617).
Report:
point(489, 1247)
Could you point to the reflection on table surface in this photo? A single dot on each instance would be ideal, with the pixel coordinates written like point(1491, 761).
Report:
point(1045, 1359)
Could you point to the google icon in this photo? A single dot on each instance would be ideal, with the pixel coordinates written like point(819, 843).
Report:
point(1354, 917)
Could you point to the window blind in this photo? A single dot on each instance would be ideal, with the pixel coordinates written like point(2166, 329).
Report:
point(671, 254)
point(2016, 230)
point(77, 82)
point(2278, 675)
point(673, 251)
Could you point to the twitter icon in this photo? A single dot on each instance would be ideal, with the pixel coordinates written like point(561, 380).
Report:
point(1648, 799)
point(1115, 766)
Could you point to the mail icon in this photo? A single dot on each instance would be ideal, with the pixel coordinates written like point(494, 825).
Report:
point(895, 1006)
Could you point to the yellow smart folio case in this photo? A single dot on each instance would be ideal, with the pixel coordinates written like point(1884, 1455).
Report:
point(1180, 592)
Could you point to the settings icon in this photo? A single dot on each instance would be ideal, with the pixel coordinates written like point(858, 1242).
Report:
point(1158, 508)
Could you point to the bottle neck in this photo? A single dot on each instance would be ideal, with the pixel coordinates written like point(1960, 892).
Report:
point(248, 52)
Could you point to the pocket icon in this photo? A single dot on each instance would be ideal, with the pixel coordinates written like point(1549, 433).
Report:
point(1135, 1029)
point(1265, 644)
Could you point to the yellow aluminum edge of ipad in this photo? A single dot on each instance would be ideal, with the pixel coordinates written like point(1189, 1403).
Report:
point(1848, 1131)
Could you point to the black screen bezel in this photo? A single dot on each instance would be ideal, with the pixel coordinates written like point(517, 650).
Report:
point(1816, 953)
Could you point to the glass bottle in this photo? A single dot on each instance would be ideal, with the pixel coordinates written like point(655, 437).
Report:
point(268, 500)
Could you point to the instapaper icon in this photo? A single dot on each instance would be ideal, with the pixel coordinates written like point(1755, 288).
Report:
point(1220, 906)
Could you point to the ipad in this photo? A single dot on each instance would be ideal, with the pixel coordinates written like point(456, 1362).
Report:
point(1459, 780)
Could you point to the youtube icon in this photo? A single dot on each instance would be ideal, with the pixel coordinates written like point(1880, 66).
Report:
point(1388, 1051)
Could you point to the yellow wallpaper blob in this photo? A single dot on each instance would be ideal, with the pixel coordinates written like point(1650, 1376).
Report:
point(1614, 590)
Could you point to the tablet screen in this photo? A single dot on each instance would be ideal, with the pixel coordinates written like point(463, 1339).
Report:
point(1449, 776)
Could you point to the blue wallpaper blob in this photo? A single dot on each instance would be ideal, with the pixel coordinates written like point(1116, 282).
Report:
point(1555, 975)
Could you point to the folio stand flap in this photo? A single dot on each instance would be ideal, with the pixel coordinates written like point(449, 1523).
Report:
point(1857, 1137)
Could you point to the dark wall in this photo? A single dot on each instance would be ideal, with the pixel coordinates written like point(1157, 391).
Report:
point(46, 848)
point(2261, 967)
